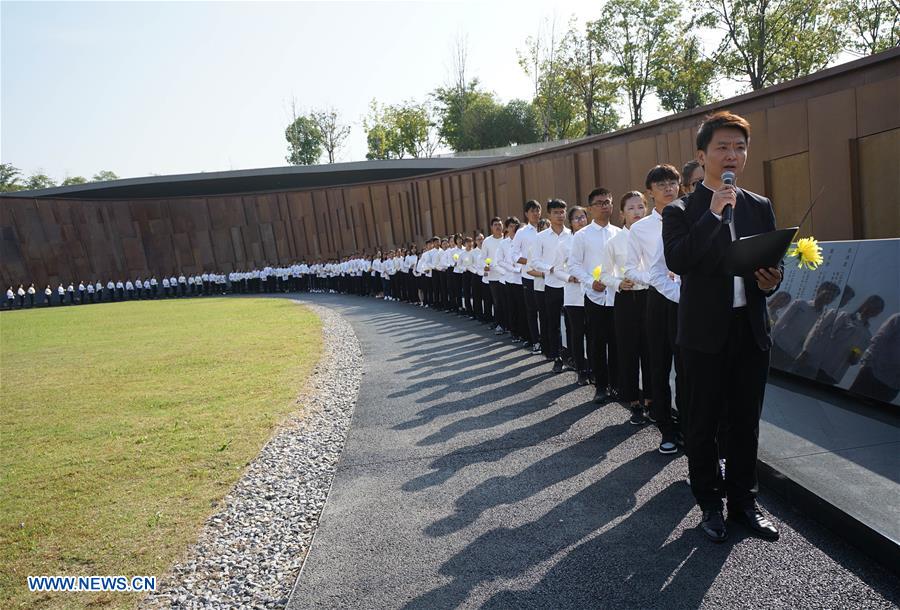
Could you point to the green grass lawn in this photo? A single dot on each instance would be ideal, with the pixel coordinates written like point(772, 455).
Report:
point(122, 425)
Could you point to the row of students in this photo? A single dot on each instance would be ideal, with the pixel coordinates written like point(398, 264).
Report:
point(97, 292)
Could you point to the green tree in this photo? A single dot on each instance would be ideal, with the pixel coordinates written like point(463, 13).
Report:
point(304, 141)
point(416, 129)
point(770, 41)
point(9, 178)
point(591, 79)
point(332, 132)
point(460, 111)
point(636, 34)
point(556, 99)
point(39, 180)
point(872, 25)
point(104, 176)
point(684, 79)
point(72, 180)
point(382, 133)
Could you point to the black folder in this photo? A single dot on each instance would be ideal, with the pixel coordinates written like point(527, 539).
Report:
point(748, 254)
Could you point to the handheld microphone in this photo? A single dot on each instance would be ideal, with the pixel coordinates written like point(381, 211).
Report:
point(728, 211)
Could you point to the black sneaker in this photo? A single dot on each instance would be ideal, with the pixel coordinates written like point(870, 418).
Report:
point(649, 416)
point(557, 366)
point(582, 379)
point(637, 416)
point(601, 397)
point(536, 348)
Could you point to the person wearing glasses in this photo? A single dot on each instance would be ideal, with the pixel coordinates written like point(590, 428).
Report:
point(691, 176)
point(646, 265)
point(586, 263)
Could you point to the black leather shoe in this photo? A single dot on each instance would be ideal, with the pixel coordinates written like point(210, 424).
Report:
point(754, 519)
point(713, 525)
point(601, 397)
point(583, 379)
point(558, 366)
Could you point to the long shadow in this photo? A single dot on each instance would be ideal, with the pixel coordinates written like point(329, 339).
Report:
point(491, 419)
point(462, 346)
point(471, 376)
point(562, 465)
point(633, 564)
point(457, 384)
point(429, 414)
point(461, 359)
point(509, 552)
point(495, 449)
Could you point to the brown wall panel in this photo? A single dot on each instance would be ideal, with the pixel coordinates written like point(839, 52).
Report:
point(787, 126)
point(877, 106)
point(828, 150)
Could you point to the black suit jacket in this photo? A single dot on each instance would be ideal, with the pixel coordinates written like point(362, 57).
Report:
point(695, 241)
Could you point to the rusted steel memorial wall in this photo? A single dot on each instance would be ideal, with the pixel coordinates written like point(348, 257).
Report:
point(837, 131)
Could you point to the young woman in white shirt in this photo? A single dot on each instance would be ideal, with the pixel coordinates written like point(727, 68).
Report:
point(573, 301)
point(632, 346)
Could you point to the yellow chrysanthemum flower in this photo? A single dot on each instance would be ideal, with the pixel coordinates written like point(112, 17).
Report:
point(597, 271)
point(456, 257)
point(488, 261)
point(807, 252)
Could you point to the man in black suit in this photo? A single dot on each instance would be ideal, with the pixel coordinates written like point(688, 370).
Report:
point(723, 327)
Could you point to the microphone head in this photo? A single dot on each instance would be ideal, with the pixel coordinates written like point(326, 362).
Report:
point(728, 177)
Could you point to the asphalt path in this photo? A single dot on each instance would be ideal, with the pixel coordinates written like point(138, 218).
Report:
point(472, 477)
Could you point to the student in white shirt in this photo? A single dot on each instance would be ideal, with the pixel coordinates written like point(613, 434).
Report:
point(20, 292)
point(469, 276)
point(632, 346)
point(71, 292)
point(456, 274)
point(587, 261)
point(513, 284)
point(493, 272)
point(525, 245)
point(98, 290)
point(48, 296)
point(31, 292)
point(10, 298)
point(129, 288)
point(546, 260)
point(646, 264)
point(481, 293)
point(90, 292)
point(573, 300)
point(81, 299)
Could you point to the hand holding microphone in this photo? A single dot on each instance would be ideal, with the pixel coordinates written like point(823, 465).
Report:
point(724, 199)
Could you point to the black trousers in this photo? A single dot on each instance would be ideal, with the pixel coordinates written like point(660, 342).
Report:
point(575, 335)
point(662, 323)
point(539, 298)
point(531, 311)
point(553, 302)
point(498, 298)
point(602, 343)
point(467, 293)
point(454, 289)
point(633, 349)
point(732, 381)
point(516, 308)
point(480, 298)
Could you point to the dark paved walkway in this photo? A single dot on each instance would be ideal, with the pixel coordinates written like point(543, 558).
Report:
point(472, 477)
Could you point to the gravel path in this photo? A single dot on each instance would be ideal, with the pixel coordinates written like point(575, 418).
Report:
point(250, 552)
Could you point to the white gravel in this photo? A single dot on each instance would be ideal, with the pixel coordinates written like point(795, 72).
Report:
point(250, 552)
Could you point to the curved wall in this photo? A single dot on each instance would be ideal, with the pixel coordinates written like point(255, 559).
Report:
point(836, 130)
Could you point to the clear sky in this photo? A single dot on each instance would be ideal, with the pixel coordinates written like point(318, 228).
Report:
point(145, 88)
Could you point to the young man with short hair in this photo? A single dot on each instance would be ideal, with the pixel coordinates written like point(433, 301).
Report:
point(493, 272)
point(723, 329)
point(589, 254)
point(548, 255)
point(525, 245)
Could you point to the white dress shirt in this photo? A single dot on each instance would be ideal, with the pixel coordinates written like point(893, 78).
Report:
point(548, 256)
point(573, 294)
point(588, 253)
point(526, 245)
point(491, 249)
point(616, 257)
point(646, 262)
